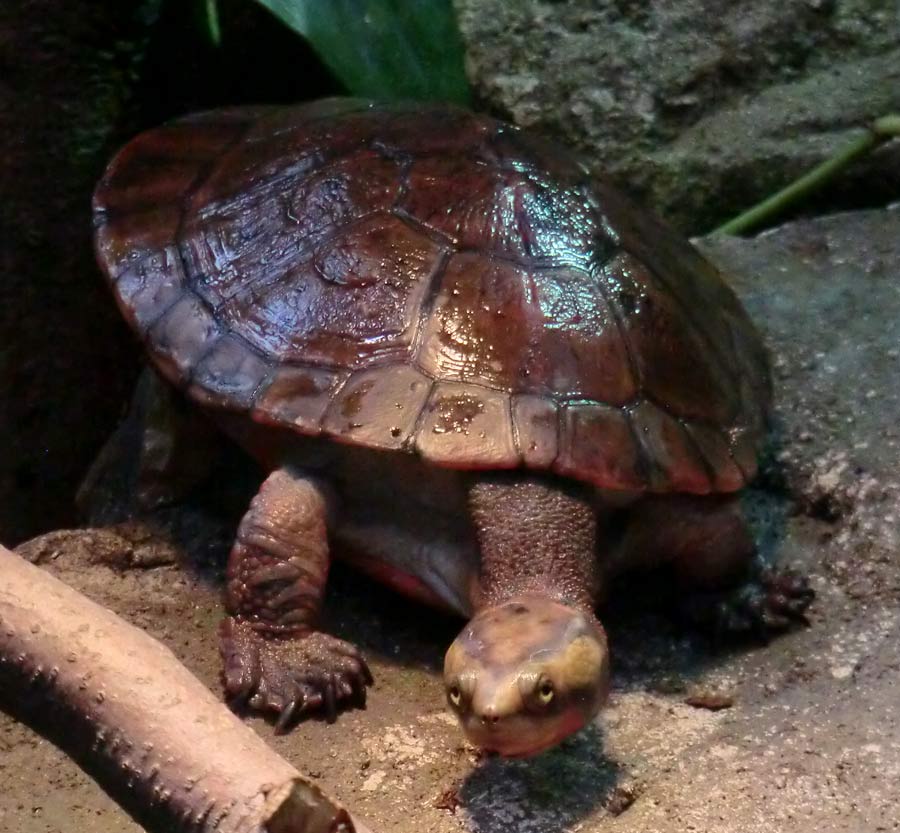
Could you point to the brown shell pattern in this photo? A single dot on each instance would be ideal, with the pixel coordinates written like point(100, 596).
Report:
point(423, 279)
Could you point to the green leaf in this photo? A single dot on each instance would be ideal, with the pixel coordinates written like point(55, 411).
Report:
point(212, 21)
point(386, 49)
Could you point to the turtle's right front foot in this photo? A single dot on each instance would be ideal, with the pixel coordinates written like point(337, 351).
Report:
point(291, 675)
point(767, 603)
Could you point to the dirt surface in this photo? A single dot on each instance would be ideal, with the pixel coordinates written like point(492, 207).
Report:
point(802, 734)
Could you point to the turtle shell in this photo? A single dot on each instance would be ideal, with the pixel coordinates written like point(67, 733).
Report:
point(424, 279)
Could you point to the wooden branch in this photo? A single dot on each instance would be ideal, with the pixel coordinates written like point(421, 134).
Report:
point(121, 704)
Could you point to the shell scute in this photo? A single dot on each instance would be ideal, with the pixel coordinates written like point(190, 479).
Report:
point(378, 407)
point(125, 241)
point(415, 130)
point(672, 459)
point(665, 346)
point(525, 330)
point(536, 423)
point(297, 397)
point(598, 445)
point(279, 148)
point(467, 427)
point(183, 336)
point(511, 213)
point(710, 442)
point(231, 372)
point(477, 329)
point(273, 225)
point(148, 287)
point(352, 302)
point(511, 148)
point(160, 167)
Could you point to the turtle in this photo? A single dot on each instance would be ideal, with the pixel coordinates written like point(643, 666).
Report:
point(471, 367)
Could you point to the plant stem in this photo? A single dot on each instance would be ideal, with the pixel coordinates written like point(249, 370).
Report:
point(875, 134)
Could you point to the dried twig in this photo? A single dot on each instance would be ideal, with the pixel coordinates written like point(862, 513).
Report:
point(139, 722)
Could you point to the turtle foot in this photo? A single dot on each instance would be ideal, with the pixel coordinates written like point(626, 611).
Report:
point(770, 602)
point(291, 675)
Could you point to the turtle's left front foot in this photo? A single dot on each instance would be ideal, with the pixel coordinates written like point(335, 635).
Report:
point(275, 659)
point(769, 602)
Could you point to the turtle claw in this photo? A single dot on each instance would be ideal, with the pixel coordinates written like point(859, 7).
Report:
point(330, 699)
point(770, 602)
point(291, 676)
point(284, 719)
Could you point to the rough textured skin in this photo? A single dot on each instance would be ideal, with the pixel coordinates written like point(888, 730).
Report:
point(706, 539)
point(535, 537)
point(279, 563)
point(277, 570)
point(723, 584)
point(428, 280)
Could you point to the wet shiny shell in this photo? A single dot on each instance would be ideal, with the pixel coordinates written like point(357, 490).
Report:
point(431, 281)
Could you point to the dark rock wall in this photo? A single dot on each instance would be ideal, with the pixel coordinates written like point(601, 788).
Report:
point(65, 362)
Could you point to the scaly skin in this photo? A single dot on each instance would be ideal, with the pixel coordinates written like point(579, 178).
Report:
point(273, 655)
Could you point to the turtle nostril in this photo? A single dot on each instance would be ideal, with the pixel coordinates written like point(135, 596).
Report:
point(490, 716)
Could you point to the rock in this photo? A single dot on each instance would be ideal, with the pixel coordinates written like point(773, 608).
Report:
point(825, 293)
point(621, 798)
point(711, 700)
point(698, 107)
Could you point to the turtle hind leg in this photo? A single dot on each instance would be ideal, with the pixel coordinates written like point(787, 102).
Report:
point(723, 585)
point(274, 659)
point(160, 451)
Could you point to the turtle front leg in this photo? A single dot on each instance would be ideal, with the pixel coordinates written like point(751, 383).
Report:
point(274, 658)
point(767, 601)
point(724, 584)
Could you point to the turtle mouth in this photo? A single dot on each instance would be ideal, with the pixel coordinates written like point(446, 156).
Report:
point(522, 752)
point(521, 736)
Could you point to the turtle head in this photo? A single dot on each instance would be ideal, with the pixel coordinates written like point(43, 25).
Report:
point(525, 674)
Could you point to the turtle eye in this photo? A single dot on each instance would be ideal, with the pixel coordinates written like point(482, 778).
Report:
point(545, 692)
point(454, 695)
